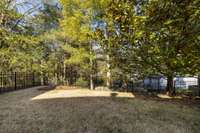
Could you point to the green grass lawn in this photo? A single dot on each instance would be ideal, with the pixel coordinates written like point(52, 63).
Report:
point(20, 114)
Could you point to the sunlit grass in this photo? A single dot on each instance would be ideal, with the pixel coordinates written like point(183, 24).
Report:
point(169, 97)
point(73, 92)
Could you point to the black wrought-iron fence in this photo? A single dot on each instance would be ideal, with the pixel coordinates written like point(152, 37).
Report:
point(17, 80)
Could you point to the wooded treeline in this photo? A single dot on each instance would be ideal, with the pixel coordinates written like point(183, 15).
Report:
point(91, 42)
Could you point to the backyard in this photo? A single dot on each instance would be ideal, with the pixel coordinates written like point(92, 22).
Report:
point(78, 110)
point(99, 66)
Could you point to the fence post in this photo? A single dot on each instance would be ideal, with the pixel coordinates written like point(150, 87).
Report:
point(199, 83)
point(1, 82)
point(24, 80)
point(15, 76)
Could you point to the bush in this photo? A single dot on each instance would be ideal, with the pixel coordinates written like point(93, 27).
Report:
point(99, 82)
point(82, 82)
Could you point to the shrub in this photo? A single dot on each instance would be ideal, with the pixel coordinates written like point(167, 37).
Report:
point(82, 82)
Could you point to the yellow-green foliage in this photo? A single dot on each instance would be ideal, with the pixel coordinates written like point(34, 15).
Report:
point(17, 51)
point(78, 55)
point(75, 28)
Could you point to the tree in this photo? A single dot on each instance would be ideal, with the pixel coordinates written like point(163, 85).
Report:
point(170, 38)
point(16, 47)
point(23, 47)
point(76, 29)
point(118, 37)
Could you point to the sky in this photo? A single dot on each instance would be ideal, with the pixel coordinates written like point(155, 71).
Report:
point(25, 5)
point(50, 2)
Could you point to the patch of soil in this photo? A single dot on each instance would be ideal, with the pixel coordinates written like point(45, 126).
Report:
point(47, 88)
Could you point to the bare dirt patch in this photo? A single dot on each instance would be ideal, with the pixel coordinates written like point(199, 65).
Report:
point(78, 92)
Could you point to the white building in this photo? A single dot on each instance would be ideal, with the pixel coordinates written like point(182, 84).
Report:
point(160, 82)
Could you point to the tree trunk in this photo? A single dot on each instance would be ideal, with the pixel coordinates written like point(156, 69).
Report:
point(42, 78)
point(92, 87)
point(91, 82)
point(108, 82)
point(64, 73)
point(170, 85)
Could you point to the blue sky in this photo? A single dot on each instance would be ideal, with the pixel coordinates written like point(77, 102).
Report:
point(25, 5)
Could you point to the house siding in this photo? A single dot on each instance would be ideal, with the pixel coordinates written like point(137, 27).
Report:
point(160, 83)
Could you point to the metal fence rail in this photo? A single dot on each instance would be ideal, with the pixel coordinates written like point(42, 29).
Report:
point(17, 80)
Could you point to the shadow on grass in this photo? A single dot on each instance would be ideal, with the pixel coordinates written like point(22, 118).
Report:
point(162, 97)
point(113, 94)
point(96, 114)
